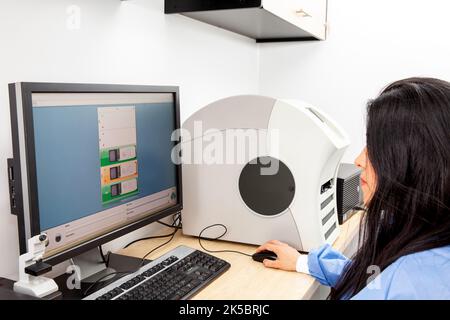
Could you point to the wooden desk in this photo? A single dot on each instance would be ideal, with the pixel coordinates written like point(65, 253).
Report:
point(247, 279)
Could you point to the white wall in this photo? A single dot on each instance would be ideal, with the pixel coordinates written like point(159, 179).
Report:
point(371, 43)
point(130, 42)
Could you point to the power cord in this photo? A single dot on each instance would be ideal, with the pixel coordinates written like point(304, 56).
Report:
point(176, 217)
point(161, 245)
point(169, 225)
point(105, 259)
point(176, 224)
point(85, 293)
point(217, 238)
point(148, 238)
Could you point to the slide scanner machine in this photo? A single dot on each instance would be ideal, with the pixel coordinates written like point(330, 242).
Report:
point(296, 205)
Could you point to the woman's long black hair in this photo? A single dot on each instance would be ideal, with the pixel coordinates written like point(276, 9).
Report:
point(408, 145)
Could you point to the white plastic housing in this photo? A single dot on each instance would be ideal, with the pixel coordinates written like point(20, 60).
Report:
point(310, 144)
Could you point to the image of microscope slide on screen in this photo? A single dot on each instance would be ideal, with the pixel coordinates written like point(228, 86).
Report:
point(118, 156)
point(119, 172)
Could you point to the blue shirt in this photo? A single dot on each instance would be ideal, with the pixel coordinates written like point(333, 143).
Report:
point(421, 275)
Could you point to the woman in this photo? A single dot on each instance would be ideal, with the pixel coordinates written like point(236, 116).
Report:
point(405, 180)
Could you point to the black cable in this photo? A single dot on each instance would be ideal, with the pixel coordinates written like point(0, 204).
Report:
point(148, 238)
point(168, 225)
point(217, 238)
point(85, 293)
point(161, 245)
point(102, 255)
point(177, 218)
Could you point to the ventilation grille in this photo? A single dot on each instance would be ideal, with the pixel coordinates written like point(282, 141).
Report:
point(330, 231)
point(348, 194)
point(326, 202)
point(328, 217)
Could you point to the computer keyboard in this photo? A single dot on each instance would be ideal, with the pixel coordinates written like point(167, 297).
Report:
point(177, 275)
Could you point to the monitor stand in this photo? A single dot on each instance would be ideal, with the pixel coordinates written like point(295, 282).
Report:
point(90, 268)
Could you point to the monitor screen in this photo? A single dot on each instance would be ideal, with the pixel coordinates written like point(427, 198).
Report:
point(103, 161)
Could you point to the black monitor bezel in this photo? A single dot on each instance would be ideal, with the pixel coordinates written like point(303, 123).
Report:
point(29, 88)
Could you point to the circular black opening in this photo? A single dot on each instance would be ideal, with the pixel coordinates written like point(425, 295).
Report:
point(267, 186)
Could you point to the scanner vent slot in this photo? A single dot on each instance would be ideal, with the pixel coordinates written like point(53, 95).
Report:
point(326, 202)
point(327, 217)
point(330, 231)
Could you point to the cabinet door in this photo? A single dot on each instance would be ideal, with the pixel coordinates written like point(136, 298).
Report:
point(309, 15)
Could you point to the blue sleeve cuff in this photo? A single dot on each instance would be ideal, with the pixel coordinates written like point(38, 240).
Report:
point(326, 265)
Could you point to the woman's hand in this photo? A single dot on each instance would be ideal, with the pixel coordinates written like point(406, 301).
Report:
point(287, 256)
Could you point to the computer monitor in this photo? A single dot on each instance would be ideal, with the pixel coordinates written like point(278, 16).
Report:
point(91, 162)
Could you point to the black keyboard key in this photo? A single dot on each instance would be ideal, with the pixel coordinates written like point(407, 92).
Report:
point(196, 282)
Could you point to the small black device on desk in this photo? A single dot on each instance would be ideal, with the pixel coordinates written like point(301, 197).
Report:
point(177, 275)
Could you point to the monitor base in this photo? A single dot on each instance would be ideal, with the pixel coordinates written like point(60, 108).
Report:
point(89, 267)
point(117, 263)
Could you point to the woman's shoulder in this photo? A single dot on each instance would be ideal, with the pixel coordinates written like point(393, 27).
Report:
point(420, 275)
point(442, 253)
point(436, 259)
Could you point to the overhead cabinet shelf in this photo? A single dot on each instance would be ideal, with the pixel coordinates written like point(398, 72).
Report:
point(263, 20)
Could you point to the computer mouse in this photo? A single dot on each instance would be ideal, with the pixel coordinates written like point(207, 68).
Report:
point(266, 254)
